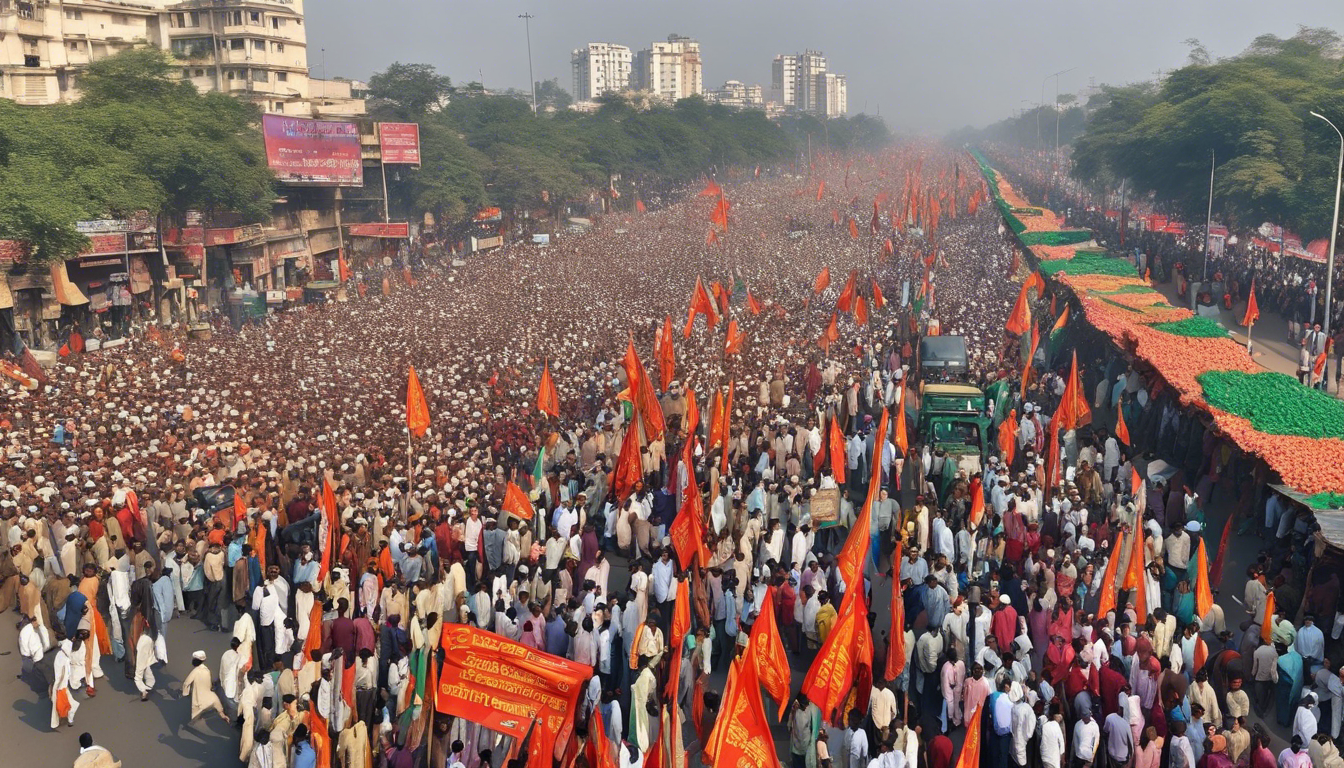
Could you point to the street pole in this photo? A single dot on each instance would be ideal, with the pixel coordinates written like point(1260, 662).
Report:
point(1208, 221)
point(527, 24)
point(1334, 229)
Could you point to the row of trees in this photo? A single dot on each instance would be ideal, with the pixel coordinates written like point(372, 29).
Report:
point(138, 140)
point(477, 149)
point(1250, 112)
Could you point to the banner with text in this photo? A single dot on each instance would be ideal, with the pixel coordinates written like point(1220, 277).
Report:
point(400, 143)
point(315, 152)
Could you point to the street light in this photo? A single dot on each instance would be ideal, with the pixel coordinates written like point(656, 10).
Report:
point(1334, 226)
point(1208, 222)
point(1045, 80)
point(527, 23)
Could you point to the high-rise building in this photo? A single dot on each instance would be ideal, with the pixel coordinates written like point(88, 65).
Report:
point(670, 70)
point(784, 79)
point(740, 96)
point(256, 49)
point(810, 65)
point(599, 69)
point(833, 95)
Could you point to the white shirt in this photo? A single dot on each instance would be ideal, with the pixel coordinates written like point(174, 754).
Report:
point(1086, 739)
point(267, 601)
point(33, 642)
point(1052, 742)
point(662, 580)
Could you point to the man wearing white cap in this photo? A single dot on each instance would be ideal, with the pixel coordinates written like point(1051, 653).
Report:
point(199, 686)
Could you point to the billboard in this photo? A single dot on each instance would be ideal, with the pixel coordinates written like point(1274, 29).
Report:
point(393, 230)
point(314, 152)
point(400, 142)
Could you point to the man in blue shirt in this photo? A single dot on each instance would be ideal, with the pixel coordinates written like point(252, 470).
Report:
point(557, 636)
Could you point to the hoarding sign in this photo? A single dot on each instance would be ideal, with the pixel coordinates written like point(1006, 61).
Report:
point(400, 142)
point(315, 152)
point(393, 230)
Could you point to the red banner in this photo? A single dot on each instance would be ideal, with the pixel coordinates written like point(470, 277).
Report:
point(313, 152)
point(397, 230)
point(400, 142)
point(510, 688)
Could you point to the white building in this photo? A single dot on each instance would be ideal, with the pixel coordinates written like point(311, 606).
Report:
point(670, 70)
point(737, 95)
point(806, 97)
point(833, 95)
point(599, 69)
point(784, 79)
point(256, 49)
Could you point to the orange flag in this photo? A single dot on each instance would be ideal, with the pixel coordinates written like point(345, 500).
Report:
point(701, 304)
point(314, 639)
point(1135, 481)
point(548, 401)
point(342, 266)
point(1201, 652)
point(417, 410)
point(712, 238)
point(1121, 429)
point(860, 311)
point(1020, 320)
point(846, 299)
point(716, 436)
point(1035, 281)
point(977, 501)
point(858, 544)
point(823, 280)
point(732, 344)
point(888, 249)
point(1107, 603)
point(516, 502)
point(1203, 593)
point(766, 651)
point(629, 469)
point(830, 335)
point(896, 641)
point(1135, 577)
point(681, 625)
point(821, 188)
point(1267, 619)
point(853, 229)
point(899, 436)
point(666, 355)
point(753, 304)
point(1252, 308)
point(879, 301)
point(711, 189)
point(598, 748)
point(688, 529)
point(832, 672)
point(726, 428)
point(1008, 438)
point(692, 422)
point(1073, 408)
point(742, 736)
point(835, 451)
point(1318, 367)
point(970, 748)
point(646, 403)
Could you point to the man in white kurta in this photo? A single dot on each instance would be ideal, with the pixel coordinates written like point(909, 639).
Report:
point(199, 686)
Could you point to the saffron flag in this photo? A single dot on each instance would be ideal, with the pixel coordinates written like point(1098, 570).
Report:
point(1059, 324)
point(1319, 367)
point(711, 189)
point(712, 238)
point(598, 748)
point(666, 355)
point(688, 529)
point(766, 652)
point(977, 501)
point(821, 188)
point(888, 249)
point(742, 735)
point(1036, 281)
point(875, 225)
point(1020, 320)
point(970, 748)
point(692, 423)
point(835, 451)
point(879, 301)
point(860, 311)
point(1135, 482)
point(1201, 652)
point(858, 544)
point(516, 502)
point(1121, 429)
point(896, 640)
point(328, 534)
point(1008, 438)
point(1267, 619)
point(853, 229)
point(823, 280)
point(639, 205)
point(646, 403)
point(1203, 592)
point(753, 304)
point(548, 401)
point(1216, 572)
point(733, 340)
point(900, 437)
point(342, 266)
point(701, 304)
point(1136, 578)
point(1252, 308)
point(1107, 593)
point(417, 410)
point(716, 436)
point(846, 300)
point(830, 335)
point(1073, 408)
point(629, 468)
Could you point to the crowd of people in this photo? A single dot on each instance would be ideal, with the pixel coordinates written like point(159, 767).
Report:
point(119, 520)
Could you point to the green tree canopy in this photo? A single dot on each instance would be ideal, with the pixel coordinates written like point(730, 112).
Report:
point(407, 91)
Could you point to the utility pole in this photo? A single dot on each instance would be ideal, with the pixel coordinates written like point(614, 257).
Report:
point(1208, 222)
point(1334, 229)
point(527, 24)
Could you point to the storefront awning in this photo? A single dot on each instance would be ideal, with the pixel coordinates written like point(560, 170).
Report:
point(67, 293)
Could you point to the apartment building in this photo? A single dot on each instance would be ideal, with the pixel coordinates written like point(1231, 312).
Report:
point(672, 70)
point(255, 49)
point(599, 69)
point(802, 82)
point(784, 79)
point(738, 95)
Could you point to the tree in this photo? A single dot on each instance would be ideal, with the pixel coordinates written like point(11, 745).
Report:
point(407, 91)
point(550, 94)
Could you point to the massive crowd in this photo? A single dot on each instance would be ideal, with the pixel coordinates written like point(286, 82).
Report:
point(108, 547)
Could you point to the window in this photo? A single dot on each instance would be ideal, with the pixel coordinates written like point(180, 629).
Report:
point(259, 76)
point(120, 18)
point(237, 45)
point(74, 15)
point(259, 45)
point(278, 106)
point(229, 74)
point(179, 20)
point(277, 22)
point(195, 18)
point(279, 47)
point(254, 17)
point(200, 73)
point(235, 18)
point(74, 45)
point(192, 47)
point(282, 77)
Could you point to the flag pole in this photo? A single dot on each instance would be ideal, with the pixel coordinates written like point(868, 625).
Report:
point(406, 507)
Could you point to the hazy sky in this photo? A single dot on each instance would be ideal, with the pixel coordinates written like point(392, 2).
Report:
point(927, 66)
